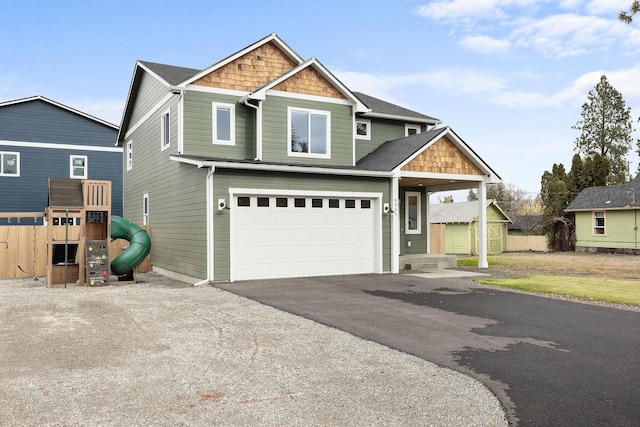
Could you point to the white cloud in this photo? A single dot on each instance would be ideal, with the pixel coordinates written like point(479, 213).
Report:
point(567, 34)
point(470, 9)
point(486, 45)
point(608, 7)
point(109, 110)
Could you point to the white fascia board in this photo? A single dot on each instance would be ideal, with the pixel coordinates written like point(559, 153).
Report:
point(442, 176)
point(281, 168)
point(272, 37)
point(155, 76)
point(151, 112)
point(402, 118)
point(55, 146)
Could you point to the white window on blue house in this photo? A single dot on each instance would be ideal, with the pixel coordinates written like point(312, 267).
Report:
point(145, 209)
point(309, 133)
point(363, 129)
point(598, 223)
point(78, 167)
point(412, 212)
point(165, 130)
point(9, 164)
point(129, 155)
point(224, 124)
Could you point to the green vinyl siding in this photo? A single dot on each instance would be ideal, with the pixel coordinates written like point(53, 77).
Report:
point(150, 92)
point(381, 132)
point(225, 179)
point(176, 198)
point(275, 144)
point(494, 214)
point(620, 230)
point(198, 127)
point(458, 238)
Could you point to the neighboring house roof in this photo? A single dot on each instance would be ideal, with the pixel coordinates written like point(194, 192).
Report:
point(465, 212)
point(524, 222)
point(59, 105)
point(386, 110)
point(624, 196)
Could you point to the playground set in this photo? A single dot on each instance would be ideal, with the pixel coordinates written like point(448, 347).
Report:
point(79, 225)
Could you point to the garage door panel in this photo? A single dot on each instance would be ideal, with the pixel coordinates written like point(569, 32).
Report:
point(277, 241)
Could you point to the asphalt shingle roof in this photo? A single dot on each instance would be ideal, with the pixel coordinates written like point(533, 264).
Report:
point(608, 197)
point(384, 107)
point(449, 213)
point(170, 73)
point(391, 154)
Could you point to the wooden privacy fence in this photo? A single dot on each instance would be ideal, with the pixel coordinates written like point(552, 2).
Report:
point(437, 242)
point(527, 243)
point(23, 249)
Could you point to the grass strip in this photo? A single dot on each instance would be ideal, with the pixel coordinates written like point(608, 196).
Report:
point(587, 288)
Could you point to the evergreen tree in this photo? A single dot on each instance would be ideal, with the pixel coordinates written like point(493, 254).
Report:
point(606, 129)
point(595, 171)
point(576, 179)
point(554, 192)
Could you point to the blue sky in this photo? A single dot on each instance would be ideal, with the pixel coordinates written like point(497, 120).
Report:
point(509, 76)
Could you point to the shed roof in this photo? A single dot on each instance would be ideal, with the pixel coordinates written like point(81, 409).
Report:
point(451, 213)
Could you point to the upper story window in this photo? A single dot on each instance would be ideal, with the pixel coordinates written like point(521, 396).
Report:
point(412, 212)
point(165, 130)
point(224, 124)
point(9, 164)
point(363, 129)
point(410, 129)
point(78, 167)
point(309, 133)
point(598, 223)
point(129, 155)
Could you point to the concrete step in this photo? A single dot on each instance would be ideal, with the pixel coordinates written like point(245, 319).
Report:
point(427, 262)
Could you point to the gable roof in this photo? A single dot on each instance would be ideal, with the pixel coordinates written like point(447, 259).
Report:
point(169, 74)
point(524, 222)
point(623, 196)
point(260, 93)
point(386, 110)
point(58, 105)
point(394, 154)
point(465, 212)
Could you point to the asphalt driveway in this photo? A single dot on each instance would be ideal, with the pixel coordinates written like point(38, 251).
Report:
point(551, 362)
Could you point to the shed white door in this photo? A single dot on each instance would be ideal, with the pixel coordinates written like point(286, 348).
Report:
point(289, 236)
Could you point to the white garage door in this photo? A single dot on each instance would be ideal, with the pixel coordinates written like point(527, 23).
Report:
point(277, 236)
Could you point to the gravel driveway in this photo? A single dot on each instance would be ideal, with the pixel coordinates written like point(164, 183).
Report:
point(164, 353)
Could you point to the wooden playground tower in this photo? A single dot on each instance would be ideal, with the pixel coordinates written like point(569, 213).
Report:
point(78, 232)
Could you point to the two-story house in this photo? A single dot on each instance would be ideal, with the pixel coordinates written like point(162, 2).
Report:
point(42, 139)
point(264, 165)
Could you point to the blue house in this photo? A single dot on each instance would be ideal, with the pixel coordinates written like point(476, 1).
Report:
point(42, 139)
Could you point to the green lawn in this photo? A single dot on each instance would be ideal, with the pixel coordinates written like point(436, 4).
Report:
point(587, 288)
point(603, 278)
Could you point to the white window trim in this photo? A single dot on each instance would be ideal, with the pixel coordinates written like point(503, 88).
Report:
point(367, 122)
point(327, 114)
point(86, 166)
point(214, 121)
point(408, 126)
point(145, 209)
point(13, 175)
point(165, 144)
point(604, 228)
point(129, 155)
point(407, 195)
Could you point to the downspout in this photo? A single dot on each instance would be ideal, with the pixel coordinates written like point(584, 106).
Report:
point(209, 213)
point(258, 109)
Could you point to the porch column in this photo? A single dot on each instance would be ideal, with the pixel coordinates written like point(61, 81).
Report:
point(482, 226)
point(395, 226)
point(428, 216)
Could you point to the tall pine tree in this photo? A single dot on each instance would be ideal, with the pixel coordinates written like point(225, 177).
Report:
point(606, 129)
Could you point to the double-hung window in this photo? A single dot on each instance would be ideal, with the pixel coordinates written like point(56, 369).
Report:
point(598, 222)
point(309, 133)
point(412, 212)
point(165, 130)
point(9, 164)
point(78, 167)
point(224, 124)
